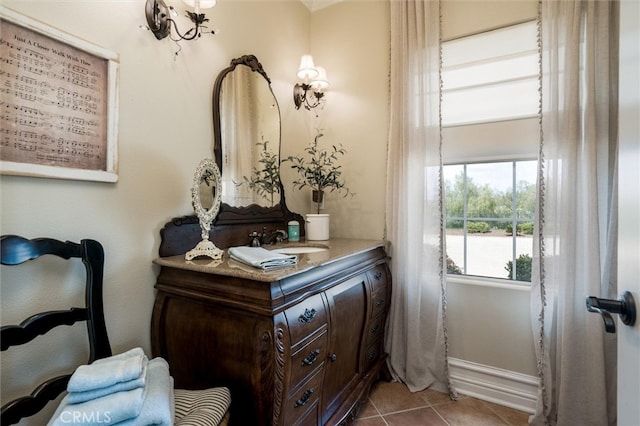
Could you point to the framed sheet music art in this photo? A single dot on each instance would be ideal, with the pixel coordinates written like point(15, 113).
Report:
point(58, 103)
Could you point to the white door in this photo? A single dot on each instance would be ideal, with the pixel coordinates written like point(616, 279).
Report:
point(629, 217)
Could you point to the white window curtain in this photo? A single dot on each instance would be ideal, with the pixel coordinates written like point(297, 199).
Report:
point(416, 337)
point(575, 254)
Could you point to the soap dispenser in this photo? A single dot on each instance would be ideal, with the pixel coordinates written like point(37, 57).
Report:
point(294, 230)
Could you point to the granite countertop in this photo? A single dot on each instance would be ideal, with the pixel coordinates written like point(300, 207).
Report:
point(337, 248)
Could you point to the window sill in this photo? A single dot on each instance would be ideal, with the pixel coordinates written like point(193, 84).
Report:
point(488, 282)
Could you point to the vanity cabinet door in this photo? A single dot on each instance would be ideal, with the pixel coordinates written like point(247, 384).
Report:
point(347, 316)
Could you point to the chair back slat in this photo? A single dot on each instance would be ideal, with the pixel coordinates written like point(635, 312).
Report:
point(15, 250)
point(38, 325)
point(27, 406)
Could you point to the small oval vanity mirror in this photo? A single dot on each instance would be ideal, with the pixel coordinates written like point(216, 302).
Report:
point(206, 194)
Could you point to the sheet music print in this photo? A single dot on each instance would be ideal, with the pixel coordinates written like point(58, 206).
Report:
point(52, 101)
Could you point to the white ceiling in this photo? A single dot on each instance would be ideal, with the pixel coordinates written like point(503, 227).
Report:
point(314, 5)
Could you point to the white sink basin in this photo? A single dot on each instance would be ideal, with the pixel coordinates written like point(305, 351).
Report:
point(299, 250)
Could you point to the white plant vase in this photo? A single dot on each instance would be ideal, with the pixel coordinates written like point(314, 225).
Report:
point(317, 227)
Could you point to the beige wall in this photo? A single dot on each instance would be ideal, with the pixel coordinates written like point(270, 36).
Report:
point(351, 40)
point(466, 17)
point(487, 325)
point(165, 130)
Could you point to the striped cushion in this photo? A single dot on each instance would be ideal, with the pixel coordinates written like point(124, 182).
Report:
point(201, 407)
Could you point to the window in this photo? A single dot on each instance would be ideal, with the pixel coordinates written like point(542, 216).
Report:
point(490, 103)
point(484, 203)
point(491, 76)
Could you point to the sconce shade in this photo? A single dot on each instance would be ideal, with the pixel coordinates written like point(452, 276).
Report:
point(202, 4)
point(309, 93)
point(307, 70)
point(320, 82)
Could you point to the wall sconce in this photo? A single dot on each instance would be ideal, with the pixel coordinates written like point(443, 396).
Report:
point(159, 19)
point(309, 93)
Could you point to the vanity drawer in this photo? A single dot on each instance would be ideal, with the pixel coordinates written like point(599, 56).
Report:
point(310, 418)
point(378, 277)
point(308, 359)
point(379, 301)
point(372, 354)
point(304, 399)
point(305, 318)
point(375, 330)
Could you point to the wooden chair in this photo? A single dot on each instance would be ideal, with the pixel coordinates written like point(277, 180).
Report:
point(200, 407)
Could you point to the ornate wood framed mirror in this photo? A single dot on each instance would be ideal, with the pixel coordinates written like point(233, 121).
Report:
point(246, 129)
point(246, 149)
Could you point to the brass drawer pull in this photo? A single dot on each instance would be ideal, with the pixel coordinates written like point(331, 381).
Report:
point(375, 328)
point(304, 398)
point(373, 355)
point(379, 303)
point(311, 358)
point(307, 316)
point(378, 275)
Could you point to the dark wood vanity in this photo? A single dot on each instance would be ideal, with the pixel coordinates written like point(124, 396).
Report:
point(297, 346)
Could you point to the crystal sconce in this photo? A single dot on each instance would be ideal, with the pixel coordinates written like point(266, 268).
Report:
point(309, 93)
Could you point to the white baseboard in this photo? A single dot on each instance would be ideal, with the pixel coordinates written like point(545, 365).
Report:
point(495, 385)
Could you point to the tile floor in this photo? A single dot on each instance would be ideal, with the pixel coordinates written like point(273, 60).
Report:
point(391, 404)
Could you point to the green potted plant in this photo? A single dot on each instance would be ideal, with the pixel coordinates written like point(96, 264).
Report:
point(318, 170)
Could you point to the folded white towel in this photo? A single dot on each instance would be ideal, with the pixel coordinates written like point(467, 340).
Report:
point(262, 258)
point(108, 371)
point(77, 397)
